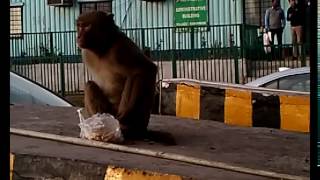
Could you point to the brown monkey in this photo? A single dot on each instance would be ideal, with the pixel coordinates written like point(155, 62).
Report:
point(124, 78)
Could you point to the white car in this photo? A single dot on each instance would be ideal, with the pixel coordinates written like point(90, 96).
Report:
point(24, 91)
point(297, 79)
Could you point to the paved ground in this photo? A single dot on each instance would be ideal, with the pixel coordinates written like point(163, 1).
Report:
point(23, 145)
point(258, 148)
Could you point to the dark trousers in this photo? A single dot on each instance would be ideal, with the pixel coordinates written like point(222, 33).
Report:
point(277, 32)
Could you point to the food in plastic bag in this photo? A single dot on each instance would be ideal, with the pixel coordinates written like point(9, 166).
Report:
point(100, 127)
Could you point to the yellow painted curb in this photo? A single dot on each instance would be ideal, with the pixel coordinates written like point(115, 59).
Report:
point(116, 173)
point(11, 164)
point(188, 101)
point(295, 113)
point(238, 107)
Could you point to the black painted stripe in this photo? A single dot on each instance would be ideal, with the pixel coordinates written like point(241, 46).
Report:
point(168, 98)
point(212, 103)
point(265, 111)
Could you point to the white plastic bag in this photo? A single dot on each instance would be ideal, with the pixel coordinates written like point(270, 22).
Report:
point(100, 127)
point(266, 42)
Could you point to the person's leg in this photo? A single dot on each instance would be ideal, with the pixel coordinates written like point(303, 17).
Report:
point(279, 39)
point(273, 32)
point(279, 36)
point(299, 33)
point(294, 42)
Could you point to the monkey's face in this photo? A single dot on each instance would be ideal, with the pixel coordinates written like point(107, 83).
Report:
point(83, 32)
point(93, 30)
point(90, 34)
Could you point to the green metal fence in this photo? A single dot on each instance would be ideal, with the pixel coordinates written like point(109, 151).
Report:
point(220, 53)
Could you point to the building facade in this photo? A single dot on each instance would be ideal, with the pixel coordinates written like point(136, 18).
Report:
point(38, 26)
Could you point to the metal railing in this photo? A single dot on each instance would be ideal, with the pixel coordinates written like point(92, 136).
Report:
point(221, 53)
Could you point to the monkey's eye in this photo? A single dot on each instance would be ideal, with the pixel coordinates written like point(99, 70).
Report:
point(87, 27)
point(81, 24)
point(84, 26)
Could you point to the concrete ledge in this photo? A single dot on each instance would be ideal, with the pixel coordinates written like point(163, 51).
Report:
point(236, 104)
point(204, 139)
point(57, 168)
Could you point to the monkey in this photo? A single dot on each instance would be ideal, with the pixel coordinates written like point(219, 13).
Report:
point(124, 79)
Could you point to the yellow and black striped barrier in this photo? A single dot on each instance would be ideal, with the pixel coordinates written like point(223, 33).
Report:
point(11, 165)
point(236, 104)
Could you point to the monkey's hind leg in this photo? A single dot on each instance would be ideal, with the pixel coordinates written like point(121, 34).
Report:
point(95, 101)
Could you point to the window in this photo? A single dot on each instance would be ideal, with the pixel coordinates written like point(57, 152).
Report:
point(105, 6)
point(16, 21)
point(299, 82)
point(255, 11)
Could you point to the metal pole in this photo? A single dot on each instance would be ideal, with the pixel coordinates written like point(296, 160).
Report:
point(62, 76)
